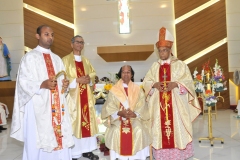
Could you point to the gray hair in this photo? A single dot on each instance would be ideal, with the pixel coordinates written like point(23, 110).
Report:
point(77, 36)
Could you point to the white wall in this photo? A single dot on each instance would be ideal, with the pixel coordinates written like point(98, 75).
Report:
point(233, 35)
point(97, 22)
point(12, 30)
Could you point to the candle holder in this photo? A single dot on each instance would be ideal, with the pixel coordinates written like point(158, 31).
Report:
point(210, 134)
point(214, 83)
point(207, 79)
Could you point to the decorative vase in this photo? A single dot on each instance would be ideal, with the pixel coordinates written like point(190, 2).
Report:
point(219, 89)
point(211, 104)
point(198, 91)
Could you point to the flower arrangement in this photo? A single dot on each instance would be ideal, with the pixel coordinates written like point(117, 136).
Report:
point(102, 147)
point(218, 80)
point(101, 90)
point(198, 81)
point(113, 78)
point(108, 86)
point(99, 93)
point(209, 82)
point(206, 67)
point(100, 139)
point(210, 99)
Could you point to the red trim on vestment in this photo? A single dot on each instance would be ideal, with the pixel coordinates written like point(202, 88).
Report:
point(57, 113)
point(126, 136)
point(167, 140)
point(84, 107)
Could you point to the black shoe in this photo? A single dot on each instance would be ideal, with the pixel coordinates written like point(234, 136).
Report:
point(1, 128)
point(0, 131)
point(90, 155)
point(74, 159)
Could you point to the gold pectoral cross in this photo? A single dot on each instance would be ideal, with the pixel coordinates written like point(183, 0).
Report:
point(164, 74)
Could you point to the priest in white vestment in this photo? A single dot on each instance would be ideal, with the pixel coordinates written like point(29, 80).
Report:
point(40, 115)
point(127, 117)
point(172, 102)
point(81, 101)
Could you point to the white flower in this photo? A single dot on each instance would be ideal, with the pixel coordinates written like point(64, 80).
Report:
point(199, 86)
point(195, 73)
point(219, 85)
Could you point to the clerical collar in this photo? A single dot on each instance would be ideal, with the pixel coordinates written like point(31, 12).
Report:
point(125, 85)
point(165, 61)
point(78, 58)
point(43, 50)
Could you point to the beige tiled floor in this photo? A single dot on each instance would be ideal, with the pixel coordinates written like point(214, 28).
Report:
point(225, 126)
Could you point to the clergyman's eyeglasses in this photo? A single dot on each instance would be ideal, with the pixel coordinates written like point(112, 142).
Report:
point(80, 42)
point(164, 51)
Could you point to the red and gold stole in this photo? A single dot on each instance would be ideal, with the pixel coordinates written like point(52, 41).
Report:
point(56, 110)
point(166, 111)
point(85, 117)
point(125, 134)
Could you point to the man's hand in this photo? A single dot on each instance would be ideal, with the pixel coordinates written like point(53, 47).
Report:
point(131, 114)
point(87, 77)
point(65, 83)
point(171, 85)
point(83, 79)
point(49, 84)
point(127, 114)
point(123, 114)
point(159, 86)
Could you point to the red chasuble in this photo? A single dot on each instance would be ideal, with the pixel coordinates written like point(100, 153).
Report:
point(85, 117)
point(166, 111)
point(125, 134)
point(56, 110)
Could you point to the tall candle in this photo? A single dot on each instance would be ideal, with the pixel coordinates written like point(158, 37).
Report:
point(208, 76)
point(208, 86)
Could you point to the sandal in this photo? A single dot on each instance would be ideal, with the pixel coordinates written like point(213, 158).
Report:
point(90, 155)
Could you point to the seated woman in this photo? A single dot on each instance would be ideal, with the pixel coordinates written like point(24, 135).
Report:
point(127, 135)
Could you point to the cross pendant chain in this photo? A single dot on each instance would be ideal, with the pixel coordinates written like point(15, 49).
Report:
point(165, 74)
point(164, 78)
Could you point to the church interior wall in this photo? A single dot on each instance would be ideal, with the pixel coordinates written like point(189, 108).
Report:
point(97, 22)
point(233, 33)
point(200, 31)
